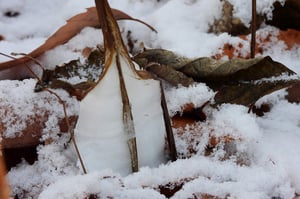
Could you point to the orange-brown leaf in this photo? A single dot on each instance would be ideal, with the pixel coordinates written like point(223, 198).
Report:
point(4, 190)
point(65, 33)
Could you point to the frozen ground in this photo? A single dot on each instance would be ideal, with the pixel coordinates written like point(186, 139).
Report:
point(266, 154)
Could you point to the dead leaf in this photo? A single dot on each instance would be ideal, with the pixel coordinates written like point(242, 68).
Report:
point(92, 66)
point(170, 188)
point(169, 74)
point(228, 23)
point(220, 73)
point(4, 190)
point(248, 93)
point(160, 56)
point(293, 95)
point(65, 33)
point(286, 16)
point(261, 110)
point(290, 37)
point(214, 72)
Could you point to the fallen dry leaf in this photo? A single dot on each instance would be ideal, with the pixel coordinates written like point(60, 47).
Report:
point(287, 15)
point(293, 95)
point(247, 93)
point(290, 37)
point(65, 33)
point(214, 72)
point(232, 71)
point(4, 190)
point(169, 74)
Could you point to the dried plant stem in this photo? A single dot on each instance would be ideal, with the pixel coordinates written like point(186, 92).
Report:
point(114, 46)
point(62, 102)
point(27, 66)
point(253, 30)
point(128, 119)
point(31, 58)
point(71, 132)
point(170, 135)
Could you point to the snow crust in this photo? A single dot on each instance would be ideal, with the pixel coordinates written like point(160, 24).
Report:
point(263, 161)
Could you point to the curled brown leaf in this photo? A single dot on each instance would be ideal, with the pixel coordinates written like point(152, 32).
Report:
point(73, 26)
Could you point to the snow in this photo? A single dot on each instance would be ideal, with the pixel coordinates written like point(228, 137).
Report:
point(54, 161)
point(100, 127)
point(22, 103)
point(244, 126)
point(264, 7)
point(262, 161)
point(178, 97)
point(88, 38)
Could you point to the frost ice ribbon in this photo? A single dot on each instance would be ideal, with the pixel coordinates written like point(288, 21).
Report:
point(121, 112)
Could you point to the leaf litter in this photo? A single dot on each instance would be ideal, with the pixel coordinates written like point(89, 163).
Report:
point(267, 143)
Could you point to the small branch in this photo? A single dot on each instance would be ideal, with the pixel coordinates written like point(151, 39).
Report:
point(253, 30)
point(31, 58)
point(27, 66)
point(61, 102)
point(169, 130)
point(69, 128)
point(128, 119)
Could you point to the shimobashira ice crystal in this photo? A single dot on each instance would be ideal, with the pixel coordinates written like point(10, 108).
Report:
point(122, 107)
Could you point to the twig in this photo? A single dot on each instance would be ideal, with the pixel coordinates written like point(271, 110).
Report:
point(169, 130)
point(71, 132)
point(253, 30)
point(27, 66)
point(31, 58)
point(61, 102)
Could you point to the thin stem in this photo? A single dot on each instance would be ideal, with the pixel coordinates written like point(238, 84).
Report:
point(31, 58)
point(69, 128)
point(64, 108)
point(170, 135)
point(253, 30)
point(27, 66)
